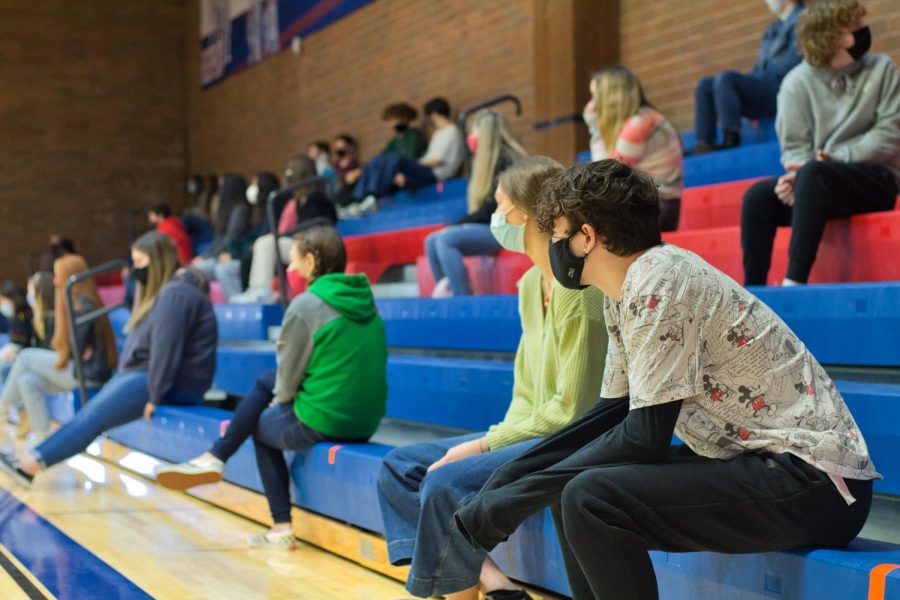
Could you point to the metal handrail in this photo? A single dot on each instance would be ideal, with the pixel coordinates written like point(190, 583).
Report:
point(465, 114)
point(75, 322)
point(274, 197)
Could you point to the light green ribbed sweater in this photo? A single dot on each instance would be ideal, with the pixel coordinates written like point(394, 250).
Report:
point(559, 363)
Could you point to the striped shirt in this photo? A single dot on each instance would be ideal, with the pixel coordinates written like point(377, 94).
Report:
point(649, 142)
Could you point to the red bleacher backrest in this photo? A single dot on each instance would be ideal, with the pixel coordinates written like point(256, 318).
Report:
point(862, 248)
point(481, 271)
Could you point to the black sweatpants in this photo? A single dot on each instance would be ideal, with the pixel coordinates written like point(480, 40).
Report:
point(822, 190)
point(609, 515)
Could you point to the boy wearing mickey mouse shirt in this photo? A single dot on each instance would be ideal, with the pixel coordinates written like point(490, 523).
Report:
point(772, 458)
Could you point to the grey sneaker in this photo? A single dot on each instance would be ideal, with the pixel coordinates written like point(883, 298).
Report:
point(10, 465)
point(187, 475)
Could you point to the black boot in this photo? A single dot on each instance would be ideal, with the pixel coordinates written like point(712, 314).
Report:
point(730, 139)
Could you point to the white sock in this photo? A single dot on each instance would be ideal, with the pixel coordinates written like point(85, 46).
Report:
point(789, 283)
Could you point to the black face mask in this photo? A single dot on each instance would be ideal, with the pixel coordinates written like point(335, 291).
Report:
point(401, 127)
point(340, 153)
point(140, 274)
point(862, 41)
point(566, 266)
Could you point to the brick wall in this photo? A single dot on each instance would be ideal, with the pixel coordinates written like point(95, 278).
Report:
point(672, 44)
point(93, 114)
point(389, 51)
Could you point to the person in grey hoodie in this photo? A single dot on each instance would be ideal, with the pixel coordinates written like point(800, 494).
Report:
point(839, 127)
point(169, 358)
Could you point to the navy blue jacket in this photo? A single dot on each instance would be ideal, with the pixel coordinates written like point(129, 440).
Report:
point(176, 342)
point(778, 51)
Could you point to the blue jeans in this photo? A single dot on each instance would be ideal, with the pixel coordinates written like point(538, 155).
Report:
point(120, 401)
point(274, 429)
point(418, 507)
point(729, 96)
point(378, 176)
point(446, 248)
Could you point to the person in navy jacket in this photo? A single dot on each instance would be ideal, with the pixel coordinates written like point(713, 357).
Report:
point(728, 96)
point(169, 358)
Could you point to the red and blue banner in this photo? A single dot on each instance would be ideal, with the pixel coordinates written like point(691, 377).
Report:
point(235, 34)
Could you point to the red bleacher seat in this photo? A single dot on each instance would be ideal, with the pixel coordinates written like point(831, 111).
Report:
point(717, 205)
point(862, 248)
point(510, 266)
point(373, 254)
point(481, 271)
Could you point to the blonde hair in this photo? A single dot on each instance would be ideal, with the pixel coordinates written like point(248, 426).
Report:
point(42, 282)
point(618, 96)
point(820, 27)
point(495, 142)
point(524, 181)
point(163, 264)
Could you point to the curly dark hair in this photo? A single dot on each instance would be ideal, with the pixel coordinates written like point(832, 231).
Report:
point(820, 27)
point(620, 202)
point(400, 111)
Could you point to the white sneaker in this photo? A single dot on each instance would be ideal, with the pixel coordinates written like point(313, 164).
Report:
point(369, 205)
point(281, 540)
point(252, 296)
point(187, 475)
point(351, 211)
point(442, 289)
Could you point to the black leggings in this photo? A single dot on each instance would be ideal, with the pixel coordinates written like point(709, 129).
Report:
point(822, 190)
point(608, 516)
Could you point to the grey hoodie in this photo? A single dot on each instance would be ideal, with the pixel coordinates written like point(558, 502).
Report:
point(853, 113)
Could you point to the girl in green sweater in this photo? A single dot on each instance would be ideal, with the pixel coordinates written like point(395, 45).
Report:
point(558, 369)
point(331, 382)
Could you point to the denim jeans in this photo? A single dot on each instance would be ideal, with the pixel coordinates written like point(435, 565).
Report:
point(33, 376)
point(378, 176)
point(729, 96)
point(120, 401)
point(418, 507)
point(446, 248)
point(274, 429)
point(228, 274)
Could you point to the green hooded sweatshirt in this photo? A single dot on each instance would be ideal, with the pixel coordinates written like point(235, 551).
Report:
point(332, 358)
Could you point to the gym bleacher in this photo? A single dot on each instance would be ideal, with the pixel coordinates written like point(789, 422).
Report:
point(450, 371)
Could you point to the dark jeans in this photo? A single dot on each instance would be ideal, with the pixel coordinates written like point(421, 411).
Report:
point(378, 176)
point(669, 214)
point(608, 516)
point(729, 96)
point(822, 190)
point(275, 429)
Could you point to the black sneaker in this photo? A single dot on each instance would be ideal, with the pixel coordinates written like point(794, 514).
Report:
point(507, 595)
point(10, 465)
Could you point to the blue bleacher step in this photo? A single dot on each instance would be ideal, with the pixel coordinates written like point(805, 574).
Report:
point(339, 480)
point(743, 162)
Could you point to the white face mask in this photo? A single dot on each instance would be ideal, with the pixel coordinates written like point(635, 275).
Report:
point(29, 298)
point(7, 310)
point(253, 194)
point(775, 6)
point(590, 119)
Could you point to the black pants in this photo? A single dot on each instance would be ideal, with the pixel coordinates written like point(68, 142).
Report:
point(669, 213)
point(609, 516)
point(822, 190)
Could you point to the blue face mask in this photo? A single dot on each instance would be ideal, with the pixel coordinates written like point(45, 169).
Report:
point(7, 310)
point(511, 237)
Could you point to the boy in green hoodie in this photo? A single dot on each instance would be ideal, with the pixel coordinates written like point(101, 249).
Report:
point(330, 384)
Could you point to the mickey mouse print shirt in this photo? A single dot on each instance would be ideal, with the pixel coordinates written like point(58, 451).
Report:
point(685, 331)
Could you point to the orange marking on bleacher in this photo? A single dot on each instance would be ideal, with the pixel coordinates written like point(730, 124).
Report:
point(332, 452)
point(878, 580)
